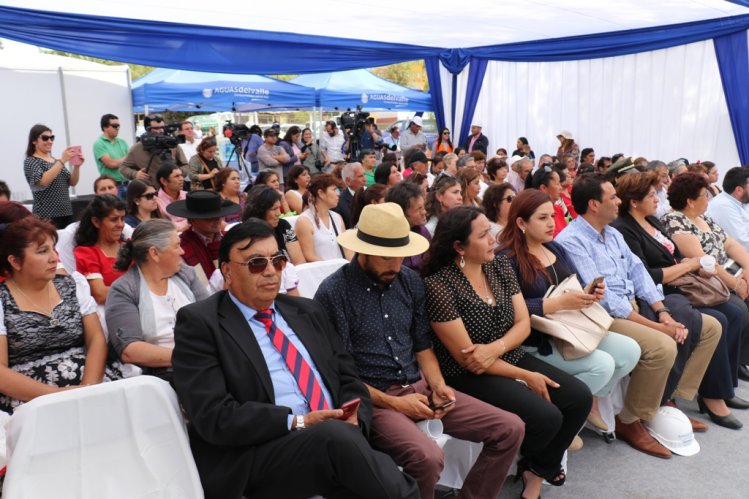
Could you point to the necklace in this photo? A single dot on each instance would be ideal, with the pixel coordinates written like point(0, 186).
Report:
point(548, 259)
point(52, 321)
point(487, 296)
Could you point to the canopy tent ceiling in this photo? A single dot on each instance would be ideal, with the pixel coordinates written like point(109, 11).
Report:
point(343, 35)
point(348, 89)
point(175, 90)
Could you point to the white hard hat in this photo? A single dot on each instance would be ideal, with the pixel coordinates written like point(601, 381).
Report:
point(673, 430)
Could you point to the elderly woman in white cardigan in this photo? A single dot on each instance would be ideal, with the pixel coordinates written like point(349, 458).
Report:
point(142, 304)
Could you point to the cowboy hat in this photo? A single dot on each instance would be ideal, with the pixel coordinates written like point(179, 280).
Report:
point(201, 205)
point(383, 231)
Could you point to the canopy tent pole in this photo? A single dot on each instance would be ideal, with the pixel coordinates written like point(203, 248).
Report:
point(66, 120)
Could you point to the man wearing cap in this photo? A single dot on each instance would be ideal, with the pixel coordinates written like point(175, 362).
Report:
point(142, 164)
point(270, 156)
point(520, 168)
point(261, 377)
point(378, 308)
point(477, 141)
point(204, 210)
point(413, 136)
point(416, 162)
point(331, 143)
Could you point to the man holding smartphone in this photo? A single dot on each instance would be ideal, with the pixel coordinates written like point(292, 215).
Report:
point(378, 308)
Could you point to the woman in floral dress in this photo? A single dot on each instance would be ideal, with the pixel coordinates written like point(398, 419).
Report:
point(49, 341)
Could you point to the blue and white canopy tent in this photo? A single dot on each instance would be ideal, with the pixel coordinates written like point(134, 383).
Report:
point(661, 79)
point(358, 87)
point(176, 90)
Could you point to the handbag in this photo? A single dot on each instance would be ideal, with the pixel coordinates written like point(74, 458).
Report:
point(576, 333)
point(701, 291)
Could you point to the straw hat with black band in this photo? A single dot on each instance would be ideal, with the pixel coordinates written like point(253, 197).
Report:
point(383, 231)
point(200, 205)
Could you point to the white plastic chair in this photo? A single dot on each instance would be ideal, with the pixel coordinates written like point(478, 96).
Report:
point(65, 246)
point(292, 220)
point(121, 439)
point(312, 274)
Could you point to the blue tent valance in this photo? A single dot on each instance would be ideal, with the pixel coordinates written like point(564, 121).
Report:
point(168, 89)
point(348, 89)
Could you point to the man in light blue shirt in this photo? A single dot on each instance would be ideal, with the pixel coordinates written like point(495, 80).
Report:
point(729, 209)
point(600, 250)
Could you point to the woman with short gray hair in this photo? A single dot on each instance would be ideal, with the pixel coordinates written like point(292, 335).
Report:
point(142, 305)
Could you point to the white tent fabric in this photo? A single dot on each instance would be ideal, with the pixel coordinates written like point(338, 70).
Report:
point(69, 96)
point(661, 104)
point(480, 23)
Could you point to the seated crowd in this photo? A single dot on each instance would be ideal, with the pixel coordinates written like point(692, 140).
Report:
point(441, 312)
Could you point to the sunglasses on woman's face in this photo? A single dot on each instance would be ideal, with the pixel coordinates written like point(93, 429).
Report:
point(149, 195)
point(258, 264)
point(47, 138)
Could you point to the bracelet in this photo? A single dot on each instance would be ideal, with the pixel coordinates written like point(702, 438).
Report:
point(661, 310)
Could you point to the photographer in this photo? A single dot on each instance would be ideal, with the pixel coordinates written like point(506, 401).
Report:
point(142, 163)
point(368, 136)
point(312, 157)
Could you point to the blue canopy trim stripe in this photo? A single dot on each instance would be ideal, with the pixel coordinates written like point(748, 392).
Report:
point(435, 90)
point(476, 75)
point(225, 50)
point(199, 48)
point(732, 52)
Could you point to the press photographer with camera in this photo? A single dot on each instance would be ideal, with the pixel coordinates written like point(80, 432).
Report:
point(313, 158)
point(154, 149)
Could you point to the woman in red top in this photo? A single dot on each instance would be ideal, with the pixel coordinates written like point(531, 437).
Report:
point(97, 242)
point(547, 181)
point(443, 142)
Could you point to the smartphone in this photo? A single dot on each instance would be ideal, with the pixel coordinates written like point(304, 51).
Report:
point(77, 158)
point(349, 409)
point(593, 284)
point(442, 406)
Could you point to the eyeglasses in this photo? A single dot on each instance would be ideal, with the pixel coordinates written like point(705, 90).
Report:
point(508, 198)
point(259, 263)
point(149, 195)
point(445, 133)
point(47, 138)
point(157, 127)
point(115, 125)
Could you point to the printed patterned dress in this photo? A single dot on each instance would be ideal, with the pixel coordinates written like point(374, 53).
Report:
point(50, 350)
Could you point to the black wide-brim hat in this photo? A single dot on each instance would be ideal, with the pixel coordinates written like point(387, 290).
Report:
point(202, 204)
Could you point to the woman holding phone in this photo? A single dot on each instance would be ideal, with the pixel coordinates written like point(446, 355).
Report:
point(48, 177)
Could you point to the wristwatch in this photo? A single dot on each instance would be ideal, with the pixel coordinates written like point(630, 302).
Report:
point(299, 423)
point(661, 310)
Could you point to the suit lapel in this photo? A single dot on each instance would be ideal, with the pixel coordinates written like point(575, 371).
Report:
point(237, 328)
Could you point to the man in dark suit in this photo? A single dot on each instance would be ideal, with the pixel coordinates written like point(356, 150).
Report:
point(261, 376)
point(477, 141)
point(354, 177)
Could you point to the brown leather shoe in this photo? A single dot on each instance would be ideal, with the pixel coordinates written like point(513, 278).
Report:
point(638, 438)
point(697, 426)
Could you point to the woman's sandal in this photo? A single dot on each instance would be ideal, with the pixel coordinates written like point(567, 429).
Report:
point(557, 479)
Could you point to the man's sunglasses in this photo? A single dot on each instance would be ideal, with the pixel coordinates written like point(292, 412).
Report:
point(149, 196)
point(115, 125)
point(258, 264)
point(47, 138)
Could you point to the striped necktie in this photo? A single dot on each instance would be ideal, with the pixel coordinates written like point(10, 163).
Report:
point(302, 372)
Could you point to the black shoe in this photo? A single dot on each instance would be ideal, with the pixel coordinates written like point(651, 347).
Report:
point(743, 373)
point(737, 403)
point(729, 421)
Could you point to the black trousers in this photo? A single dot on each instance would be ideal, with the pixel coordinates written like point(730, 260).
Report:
point(549, 426)
point(722, 374)
point(332, 459)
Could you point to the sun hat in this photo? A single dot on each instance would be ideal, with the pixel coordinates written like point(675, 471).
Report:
point(566, 134)
point(383, 230)
point(201, 205)
point(516, 158)
point(416, 120)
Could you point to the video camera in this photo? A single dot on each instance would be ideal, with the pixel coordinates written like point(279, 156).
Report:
point(236, 132)
point(353, 123)
point(157, 143)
